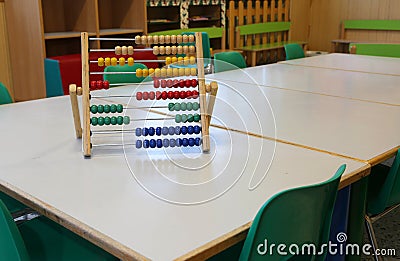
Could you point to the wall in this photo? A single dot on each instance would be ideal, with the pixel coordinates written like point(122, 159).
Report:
point(5, 67)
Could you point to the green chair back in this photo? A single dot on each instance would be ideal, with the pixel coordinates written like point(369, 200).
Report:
point(12, 246)
point(124, 78)
point(226, 61)
point(5, 97)
point(297, 216)
point(386, 50)
point(384, 187)
point(53, 78)
point(293, 51)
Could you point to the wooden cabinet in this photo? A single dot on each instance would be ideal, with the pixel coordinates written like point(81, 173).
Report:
point(43, 28)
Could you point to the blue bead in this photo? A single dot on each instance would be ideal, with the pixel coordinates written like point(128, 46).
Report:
point(152, 131)
point(138, 132)
point(191, 142)
point(178, 142)
point(138, 144)
point(153, 143)
point(190, 129)
point(165, 143)
point(164, 131)
point(158, 131)
point(146, 144)
point(177, 130)
point(172, 143)
point(159, 143)
point(197, 141)
point(145, 131)
point(171, 130)
point(184, 130)
point(185, 142)
point(197, 129)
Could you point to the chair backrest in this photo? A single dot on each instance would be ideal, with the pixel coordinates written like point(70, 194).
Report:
point(53, 78)
point(12, 246)
point(293, 51)
point(386, 50)
point(297, 216)
point(5, 97)
point(388, 25)
point(123, 78)
point(226, 61)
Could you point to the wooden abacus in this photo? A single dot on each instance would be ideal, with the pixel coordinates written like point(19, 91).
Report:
point(160, 79)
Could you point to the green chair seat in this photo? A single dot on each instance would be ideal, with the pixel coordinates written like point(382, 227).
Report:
point(226, 61)
point(294, 51)
point(124, 78)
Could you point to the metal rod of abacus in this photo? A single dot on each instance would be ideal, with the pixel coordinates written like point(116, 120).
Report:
point(113, 145)
point(110, 131)
point(139, 61)
point(94, 73)
point(113, 50)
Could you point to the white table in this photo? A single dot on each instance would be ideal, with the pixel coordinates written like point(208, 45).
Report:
point(348, 62)
point(100, 198)
point(324, 81)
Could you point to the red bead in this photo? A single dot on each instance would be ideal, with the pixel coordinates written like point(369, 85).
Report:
point(195, 94)
point(156, 83)
point(176, 94)
point(181, 83)
point(99, 85)
point(152, 95)
point(158, 95)
point(106, 85)
point(169, 83)
point(175, 83)
point(93, 85)
point(188, 83)
point(194, 83)
point(164, 95)
point(189, 94)
point(163, 83)
point(145, 96)
point(182, 95)
point(139, 96)
point(170, 95)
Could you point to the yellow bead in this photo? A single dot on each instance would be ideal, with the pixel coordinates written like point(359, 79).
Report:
point(192, 49)
point(139, 72)
point(168, 60)
point(118, 50)
point(193, 71)
point(162, 50)
point(167, 39)
point(185, 38)
point(181, 71)
point(156, 50)
point(145, 72)
point(175, 72)
point(137, 39)
point(155, 39)
point(130, 50)
point(186, 60)
point(100, 62)
point(192, 60)
point(180, 60)
point(187, 71)
point(124, 50)
point(191, 38)
point(173, 49)
point(169, 72)
point(107, 61)
point(179, 39)
point(157, 72)
point(179, 49)
point(122, 61)
point(114, 61)
point(144, 39)
point(131, 61)
point(185, 49)
point(151, 71)
point(173, 39)
point(163, 72)
point(174, 59)
point(161, 39)
point(149, 39)
point(167, 50)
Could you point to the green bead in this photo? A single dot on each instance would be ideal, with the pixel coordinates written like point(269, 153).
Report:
point(120, 108)
point(107, 120)
point(93, 121)
point(189, 106)
point(120, 120)
point(127, 120)
point(184, 118)
point(177, 106)
point(178, 118)
point(190, 118)
point(107, 108)
point(196, 106)
point(113, 120)
point(93, 109)
point(183, 106)
point(171, 106)
point(100, 121)
point(196, 117)
point(100, 108)
point(113, 108)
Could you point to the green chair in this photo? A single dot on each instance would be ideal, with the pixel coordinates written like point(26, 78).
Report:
point(124, 77)
point(53, 78)
point(5, 97)
point(296, 216)
point(383, 194)
point(44, 240)
point(226, 61)
point(386, 50)
point(293, 51)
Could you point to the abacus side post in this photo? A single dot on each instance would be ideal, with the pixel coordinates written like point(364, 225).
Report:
point(211, 101)
point(75, 110)
point(85, 95)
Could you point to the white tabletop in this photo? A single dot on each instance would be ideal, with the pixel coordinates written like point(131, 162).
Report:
point(325, 81)
point(149, 203)
point(351, 62)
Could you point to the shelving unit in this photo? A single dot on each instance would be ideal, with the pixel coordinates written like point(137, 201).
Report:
point(160, 18)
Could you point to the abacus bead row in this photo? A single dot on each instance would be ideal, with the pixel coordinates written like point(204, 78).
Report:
point(160, 143)
point(166, 95)
point(114, 61)
point(110, 120)
point(177, 130)
point(166, 72)
point(164, 39)
point(175, 83)
point(98, 85)
point(187, 118)
point(183, 106)
point(124, 50)
point(113, 108)
point(180, 60)
point(185, 49)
